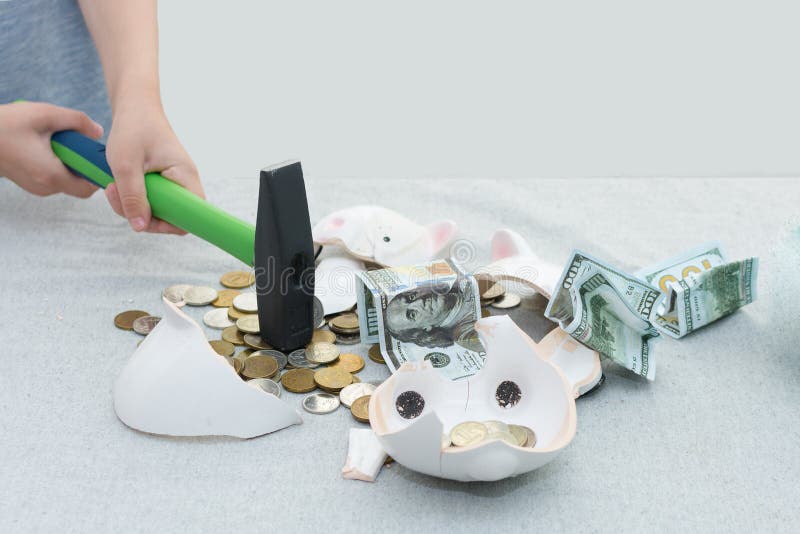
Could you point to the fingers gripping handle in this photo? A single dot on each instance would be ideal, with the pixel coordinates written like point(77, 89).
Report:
point(168, 201)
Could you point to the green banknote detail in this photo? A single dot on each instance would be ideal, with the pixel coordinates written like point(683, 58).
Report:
point(608, 310)
point(698, 300)
point(605, 323)
point(701, 286)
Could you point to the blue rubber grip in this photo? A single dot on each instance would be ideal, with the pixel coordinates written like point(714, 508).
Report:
point(89, 149)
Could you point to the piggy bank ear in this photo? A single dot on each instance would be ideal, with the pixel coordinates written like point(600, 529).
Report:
point(442, 233)
point(506, 243)
point(329, 227)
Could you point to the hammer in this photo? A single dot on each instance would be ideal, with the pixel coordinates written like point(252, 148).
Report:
point(279, 246)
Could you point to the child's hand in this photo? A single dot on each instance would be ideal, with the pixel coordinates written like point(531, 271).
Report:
point(141, 141)
point(25, 154)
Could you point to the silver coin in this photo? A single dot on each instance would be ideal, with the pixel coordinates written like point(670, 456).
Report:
point(267, 385)
point(144, 325)
point(246, 302)
point(319, 313)
point(217, 318)
point(350, 393)
point(321, 352)
point(298, 360)
point(199, 295)
point(353, 339)
point(509, 300)
point(278, 355)
point(321, 403)
point(174, 294)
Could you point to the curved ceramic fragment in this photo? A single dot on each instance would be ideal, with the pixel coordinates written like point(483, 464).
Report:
point(380, 235)
point(579, 363)
point(365, 456)
point(175, 384)
point(514, 260)
point(335, 280)
point(546, 405)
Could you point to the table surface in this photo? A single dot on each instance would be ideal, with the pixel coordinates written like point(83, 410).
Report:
point(710, 444)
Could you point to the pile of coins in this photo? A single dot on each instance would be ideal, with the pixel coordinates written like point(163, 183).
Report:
point(320, 365)
point(493, 294)
point(473, 433)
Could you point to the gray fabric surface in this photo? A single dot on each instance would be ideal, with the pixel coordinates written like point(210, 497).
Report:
point(710, 445)
point(47, 55)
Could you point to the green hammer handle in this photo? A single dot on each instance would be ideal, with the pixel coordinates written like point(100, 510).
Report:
point(168, 201)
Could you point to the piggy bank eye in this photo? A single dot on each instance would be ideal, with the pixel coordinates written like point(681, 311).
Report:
point(386, 238)
point(409, 404)
point(508, 394)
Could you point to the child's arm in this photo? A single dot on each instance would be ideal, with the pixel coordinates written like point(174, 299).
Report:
point(25, 154)
point(141, 139)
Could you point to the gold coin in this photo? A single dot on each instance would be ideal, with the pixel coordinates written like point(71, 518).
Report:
point(322, 336)
point(356, 380)
point(489, 289)
point(240, 359)
point(352, 363)
point(375, 354)
point(233, 335)
point(321, 352)
point(254, 341)
point(234, 314)
point(238, 279)
point(298, 380)
point(125, 319)
point(345, 321)
point(260, 366)
point(221, 347)
point(225, 298)
point(519, 433)
point(248, 324)
point(360, 409)
point(468, 433)
point(333, 379)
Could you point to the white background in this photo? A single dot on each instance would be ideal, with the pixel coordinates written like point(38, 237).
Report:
point(485, 89)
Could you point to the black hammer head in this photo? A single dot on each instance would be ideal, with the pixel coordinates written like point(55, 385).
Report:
point(284, 258)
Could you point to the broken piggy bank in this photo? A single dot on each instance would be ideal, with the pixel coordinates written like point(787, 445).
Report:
point(175, 384)
point(383, 236)
point(545, 404)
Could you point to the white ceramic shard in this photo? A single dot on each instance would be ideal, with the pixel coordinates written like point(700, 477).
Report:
point(365, 456)
point(514, 260)
point(383, 236)
point(175, 384)
point(579, 363)
point(335, 280)
point(546, 405)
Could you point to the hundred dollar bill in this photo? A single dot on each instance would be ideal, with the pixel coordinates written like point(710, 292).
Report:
point(701, 287)
point(607, 310)
point(422, 312)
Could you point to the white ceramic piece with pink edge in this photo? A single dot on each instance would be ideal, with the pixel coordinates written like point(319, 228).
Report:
point(175, 384)
point(546, 405)
point(383, 236)
point(579, 363)
point(513, 260)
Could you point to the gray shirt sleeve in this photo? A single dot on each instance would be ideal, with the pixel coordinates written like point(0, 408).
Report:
point(47, 54)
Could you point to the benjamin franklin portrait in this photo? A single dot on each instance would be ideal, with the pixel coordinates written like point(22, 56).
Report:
point(431, 316)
